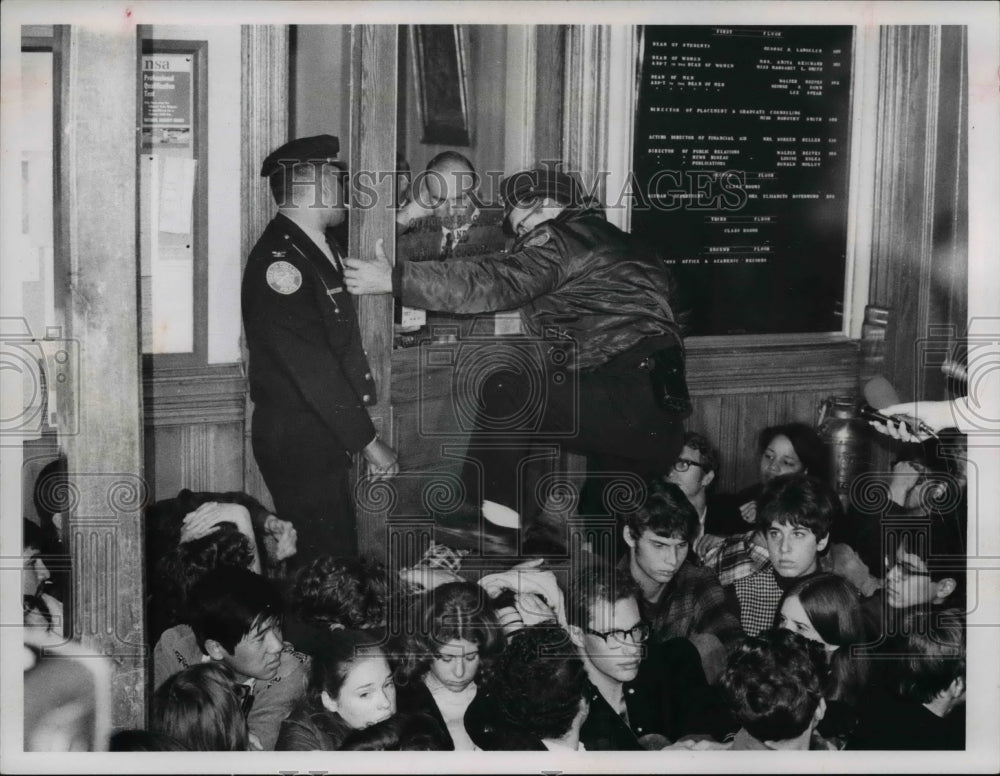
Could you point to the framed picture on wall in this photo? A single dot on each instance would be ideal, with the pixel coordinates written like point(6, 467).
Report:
point(440, 57)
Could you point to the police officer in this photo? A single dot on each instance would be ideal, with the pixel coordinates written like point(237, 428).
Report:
point(612, 380)
point(309, 377)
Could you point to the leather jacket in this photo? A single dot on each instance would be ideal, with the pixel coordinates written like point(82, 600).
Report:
point(575, 277)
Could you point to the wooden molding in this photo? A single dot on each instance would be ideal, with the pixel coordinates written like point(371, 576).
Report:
point(585, 102)
point(194, 395)
point(264, 108)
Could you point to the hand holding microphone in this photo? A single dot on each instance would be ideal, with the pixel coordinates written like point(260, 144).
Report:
point(906, 421)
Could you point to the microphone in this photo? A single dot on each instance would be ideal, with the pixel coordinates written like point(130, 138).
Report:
point(955, 370)
point(879, 393)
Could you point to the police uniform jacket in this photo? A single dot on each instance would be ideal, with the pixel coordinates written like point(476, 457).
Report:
point(575, 277)
point(303, 337)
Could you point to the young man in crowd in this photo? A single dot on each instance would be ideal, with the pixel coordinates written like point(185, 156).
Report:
point(537, 698)
point(922, 705)
point(693, 472)
point(774, 686)
point(925, 571)
point(638, 699)
point(235, 618)
point(796, 513)
point(679, 598)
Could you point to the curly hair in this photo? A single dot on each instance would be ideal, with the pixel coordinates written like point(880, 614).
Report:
point(198, 707)
point(773, 684)
point(182, 567)
point(348, 592)
point(709, 455)
point(539, 681)
point(453, 611)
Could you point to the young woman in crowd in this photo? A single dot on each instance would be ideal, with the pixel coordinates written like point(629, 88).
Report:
point(351, 688)
point(791, 448)
point(200, 709)
point(453, 641)
point(826, 609)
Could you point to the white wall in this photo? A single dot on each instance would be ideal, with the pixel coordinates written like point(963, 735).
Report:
point(224, 260)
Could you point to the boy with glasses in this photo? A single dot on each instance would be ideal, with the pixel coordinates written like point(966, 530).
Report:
point(924, 571)
point(693, 472)
point(639, 698)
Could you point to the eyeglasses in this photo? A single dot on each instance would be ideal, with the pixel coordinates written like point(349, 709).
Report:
point(637, 634)
point(683, 464)
point(904, 568)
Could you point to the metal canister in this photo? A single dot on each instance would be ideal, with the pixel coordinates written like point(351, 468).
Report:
point(848, 439)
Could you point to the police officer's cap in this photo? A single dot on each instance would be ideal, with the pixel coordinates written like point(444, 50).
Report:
point(318, 149)
point(543, 182)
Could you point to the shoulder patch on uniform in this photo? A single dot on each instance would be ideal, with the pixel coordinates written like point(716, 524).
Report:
point(537, 240)
point(283, 277)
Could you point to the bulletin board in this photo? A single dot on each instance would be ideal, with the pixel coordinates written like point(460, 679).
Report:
point(742, 160)
point(173, 200)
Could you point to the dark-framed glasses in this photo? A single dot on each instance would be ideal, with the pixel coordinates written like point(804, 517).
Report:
point(904, 568)
point(683, 464)
point(637, 634)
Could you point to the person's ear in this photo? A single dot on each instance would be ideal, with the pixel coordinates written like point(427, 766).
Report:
point(575, 635)
point(944, 588)
point(957, 688)
point(630, 540)
point(821, 544)
point(707, 479)
point(328, 702)
point(215, 650)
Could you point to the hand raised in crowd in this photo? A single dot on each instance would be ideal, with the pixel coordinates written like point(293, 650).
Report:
point(206, 518)
point(383, 463)
point(280, 538)
point(369, 277)
point(748, 512)
point(528, 579)
point(533, 609)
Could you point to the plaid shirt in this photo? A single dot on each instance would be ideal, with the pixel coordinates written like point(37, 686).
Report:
point(692, 603)
point(734, 558)
point(759, 595)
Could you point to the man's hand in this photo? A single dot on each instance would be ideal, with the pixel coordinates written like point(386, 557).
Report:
point(748, 511)
point(383, 462)
point(369, 277)
point(936, 415)
point(525, 579)
point(206, 518)
point(280, 538)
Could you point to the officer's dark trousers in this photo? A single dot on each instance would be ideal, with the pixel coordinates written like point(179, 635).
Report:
point(609, 414)
point(308, 480)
